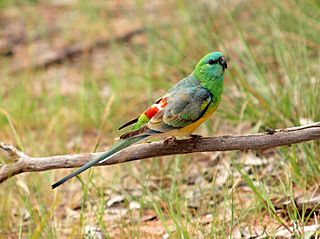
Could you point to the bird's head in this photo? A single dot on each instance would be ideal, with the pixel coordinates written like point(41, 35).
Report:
point(210, 67)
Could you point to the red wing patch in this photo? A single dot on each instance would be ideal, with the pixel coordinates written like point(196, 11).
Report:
point(151, 111)
point(163, 103)
point(155, 108)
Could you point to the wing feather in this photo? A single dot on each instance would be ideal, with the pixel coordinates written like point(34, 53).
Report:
point(185, 103)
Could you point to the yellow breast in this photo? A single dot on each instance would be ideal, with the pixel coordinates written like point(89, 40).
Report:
point(186, 131)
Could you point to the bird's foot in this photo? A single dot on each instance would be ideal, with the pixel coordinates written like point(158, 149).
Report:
point(195, 137)
point(270, 130)
point(169, 140)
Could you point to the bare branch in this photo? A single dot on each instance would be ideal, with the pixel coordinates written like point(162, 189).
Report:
point(271, 139)
point(12, 151)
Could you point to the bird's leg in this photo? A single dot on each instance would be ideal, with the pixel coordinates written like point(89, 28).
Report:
point(170, 140)
point(270, 130)
point(195, 137)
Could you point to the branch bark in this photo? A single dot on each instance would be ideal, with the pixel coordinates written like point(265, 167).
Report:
point(272, 138)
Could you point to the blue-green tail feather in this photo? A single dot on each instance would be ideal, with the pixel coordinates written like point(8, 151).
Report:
point(122, 144)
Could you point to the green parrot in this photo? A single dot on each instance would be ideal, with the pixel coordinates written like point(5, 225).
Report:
point(178, 113)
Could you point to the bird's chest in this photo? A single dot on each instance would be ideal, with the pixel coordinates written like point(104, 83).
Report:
point(192, 127)
point(186, 131)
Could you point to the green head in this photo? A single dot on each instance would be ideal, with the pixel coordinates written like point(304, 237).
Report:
point(210, 68)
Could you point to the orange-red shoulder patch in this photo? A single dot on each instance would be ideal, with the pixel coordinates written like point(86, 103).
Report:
point(150, 112)
point(163, 103)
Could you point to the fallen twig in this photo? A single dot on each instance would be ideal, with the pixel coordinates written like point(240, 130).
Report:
point(58, 56)
point(8, 44)
point(278, 137)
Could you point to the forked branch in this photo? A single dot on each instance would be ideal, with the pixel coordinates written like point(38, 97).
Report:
point(272, 138)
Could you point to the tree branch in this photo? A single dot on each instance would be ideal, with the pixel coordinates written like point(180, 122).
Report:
point(271, 139)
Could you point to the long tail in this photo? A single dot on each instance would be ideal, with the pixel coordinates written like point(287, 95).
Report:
point(104, 157)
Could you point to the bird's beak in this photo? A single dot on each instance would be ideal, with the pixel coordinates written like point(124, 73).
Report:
point(223, 63)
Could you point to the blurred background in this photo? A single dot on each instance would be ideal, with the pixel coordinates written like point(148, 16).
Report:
point(73, 71)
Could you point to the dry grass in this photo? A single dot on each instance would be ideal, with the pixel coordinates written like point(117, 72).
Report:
point(76, 106)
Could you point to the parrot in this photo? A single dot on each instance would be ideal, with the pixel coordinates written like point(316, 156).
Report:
point(178, 113)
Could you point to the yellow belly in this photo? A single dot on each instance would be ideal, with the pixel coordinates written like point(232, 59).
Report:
point(186, 131)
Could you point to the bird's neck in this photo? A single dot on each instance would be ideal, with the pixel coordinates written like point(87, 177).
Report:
point(215, 86)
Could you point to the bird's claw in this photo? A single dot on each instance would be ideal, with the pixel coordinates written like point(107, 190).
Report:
point(195, 137)
point(270, 131)
point(169, 140)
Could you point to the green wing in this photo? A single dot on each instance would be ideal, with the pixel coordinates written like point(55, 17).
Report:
point(185, 106)
point(187, 102)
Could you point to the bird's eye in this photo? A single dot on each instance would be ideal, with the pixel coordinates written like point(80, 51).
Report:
point(211, 62)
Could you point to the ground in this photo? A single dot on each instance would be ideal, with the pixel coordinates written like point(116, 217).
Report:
point(73, 71)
